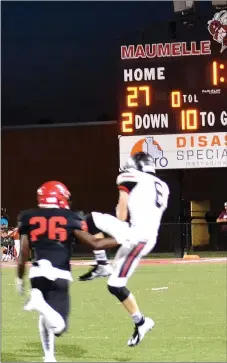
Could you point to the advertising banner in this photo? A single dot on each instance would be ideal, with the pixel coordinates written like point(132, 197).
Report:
point(181, 151)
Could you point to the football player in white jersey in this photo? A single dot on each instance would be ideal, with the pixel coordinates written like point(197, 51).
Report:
point(145, 197)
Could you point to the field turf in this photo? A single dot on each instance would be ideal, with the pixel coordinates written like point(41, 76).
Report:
point(190, 318)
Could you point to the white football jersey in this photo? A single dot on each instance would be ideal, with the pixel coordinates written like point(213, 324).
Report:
point(148, 199)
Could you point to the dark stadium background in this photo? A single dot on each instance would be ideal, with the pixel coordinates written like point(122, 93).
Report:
point(59, 65)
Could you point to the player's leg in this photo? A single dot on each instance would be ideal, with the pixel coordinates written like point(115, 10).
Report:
point(104, 223)
point(17, 247)
point(39, 288)
point(47, 339)
point(125, 263)
point(111, 225)
point(102, 268)
point(4, 250)
point(51, 322)
point(7, 254)
point(56, 295)
point(58, 298)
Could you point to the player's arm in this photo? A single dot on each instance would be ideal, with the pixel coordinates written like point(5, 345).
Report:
point(92, 241)
point(125, 183)
point(99, 235)
point(220, 219)
point(11, 233)
point(24, 256)
point(122, 206)
point(24, 251)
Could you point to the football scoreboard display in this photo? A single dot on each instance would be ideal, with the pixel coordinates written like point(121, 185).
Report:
point(173, 103)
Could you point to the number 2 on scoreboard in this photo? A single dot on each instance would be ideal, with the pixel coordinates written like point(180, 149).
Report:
point(127, 122)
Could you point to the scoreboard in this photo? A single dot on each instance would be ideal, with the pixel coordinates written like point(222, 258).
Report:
point(177, 93)
point(174, 95)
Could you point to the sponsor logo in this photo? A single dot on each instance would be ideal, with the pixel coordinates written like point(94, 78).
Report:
point(150, 146)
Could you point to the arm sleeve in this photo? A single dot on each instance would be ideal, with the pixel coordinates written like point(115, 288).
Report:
point(126, 182)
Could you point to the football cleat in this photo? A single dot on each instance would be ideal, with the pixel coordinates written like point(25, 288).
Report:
point(49, 358)
point(96, 271)
point(140, 332)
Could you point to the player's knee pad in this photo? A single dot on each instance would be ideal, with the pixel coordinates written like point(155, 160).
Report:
point(121, 293)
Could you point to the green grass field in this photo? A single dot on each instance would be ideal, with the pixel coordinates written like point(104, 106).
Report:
point(190, 318)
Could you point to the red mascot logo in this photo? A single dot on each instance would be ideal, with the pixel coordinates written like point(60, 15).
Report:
point(218, 28)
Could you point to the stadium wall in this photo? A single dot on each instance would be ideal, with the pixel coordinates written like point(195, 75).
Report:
point(82, 157)
point(85, 158)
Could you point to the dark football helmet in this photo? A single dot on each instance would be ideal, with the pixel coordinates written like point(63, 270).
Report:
point(140, 161)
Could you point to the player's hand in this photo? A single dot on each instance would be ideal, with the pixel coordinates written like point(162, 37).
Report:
point(20, 285)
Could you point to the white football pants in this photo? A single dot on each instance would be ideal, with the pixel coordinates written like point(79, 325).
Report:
point(133, 247)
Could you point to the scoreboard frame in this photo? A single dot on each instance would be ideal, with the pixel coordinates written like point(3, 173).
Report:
point(172, 95)
point(173, 100)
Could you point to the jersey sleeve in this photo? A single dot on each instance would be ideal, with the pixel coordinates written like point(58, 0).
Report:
point(126, 182)
point(77, 222)
point(22, 223)
point(221, 215)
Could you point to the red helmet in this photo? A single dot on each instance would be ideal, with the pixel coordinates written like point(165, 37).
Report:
point(53, 193)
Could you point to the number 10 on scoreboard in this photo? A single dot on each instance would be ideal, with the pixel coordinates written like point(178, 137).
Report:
point(189, 118)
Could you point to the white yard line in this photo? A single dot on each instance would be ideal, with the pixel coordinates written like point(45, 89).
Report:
point(155, 337)
point(159, 288)
point(95, 337)
point(199, 338)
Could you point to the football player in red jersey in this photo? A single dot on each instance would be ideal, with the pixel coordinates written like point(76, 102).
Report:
point(50, 230)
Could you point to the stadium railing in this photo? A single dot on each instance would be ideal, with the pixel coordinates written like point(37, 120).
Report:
point(178, 238)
